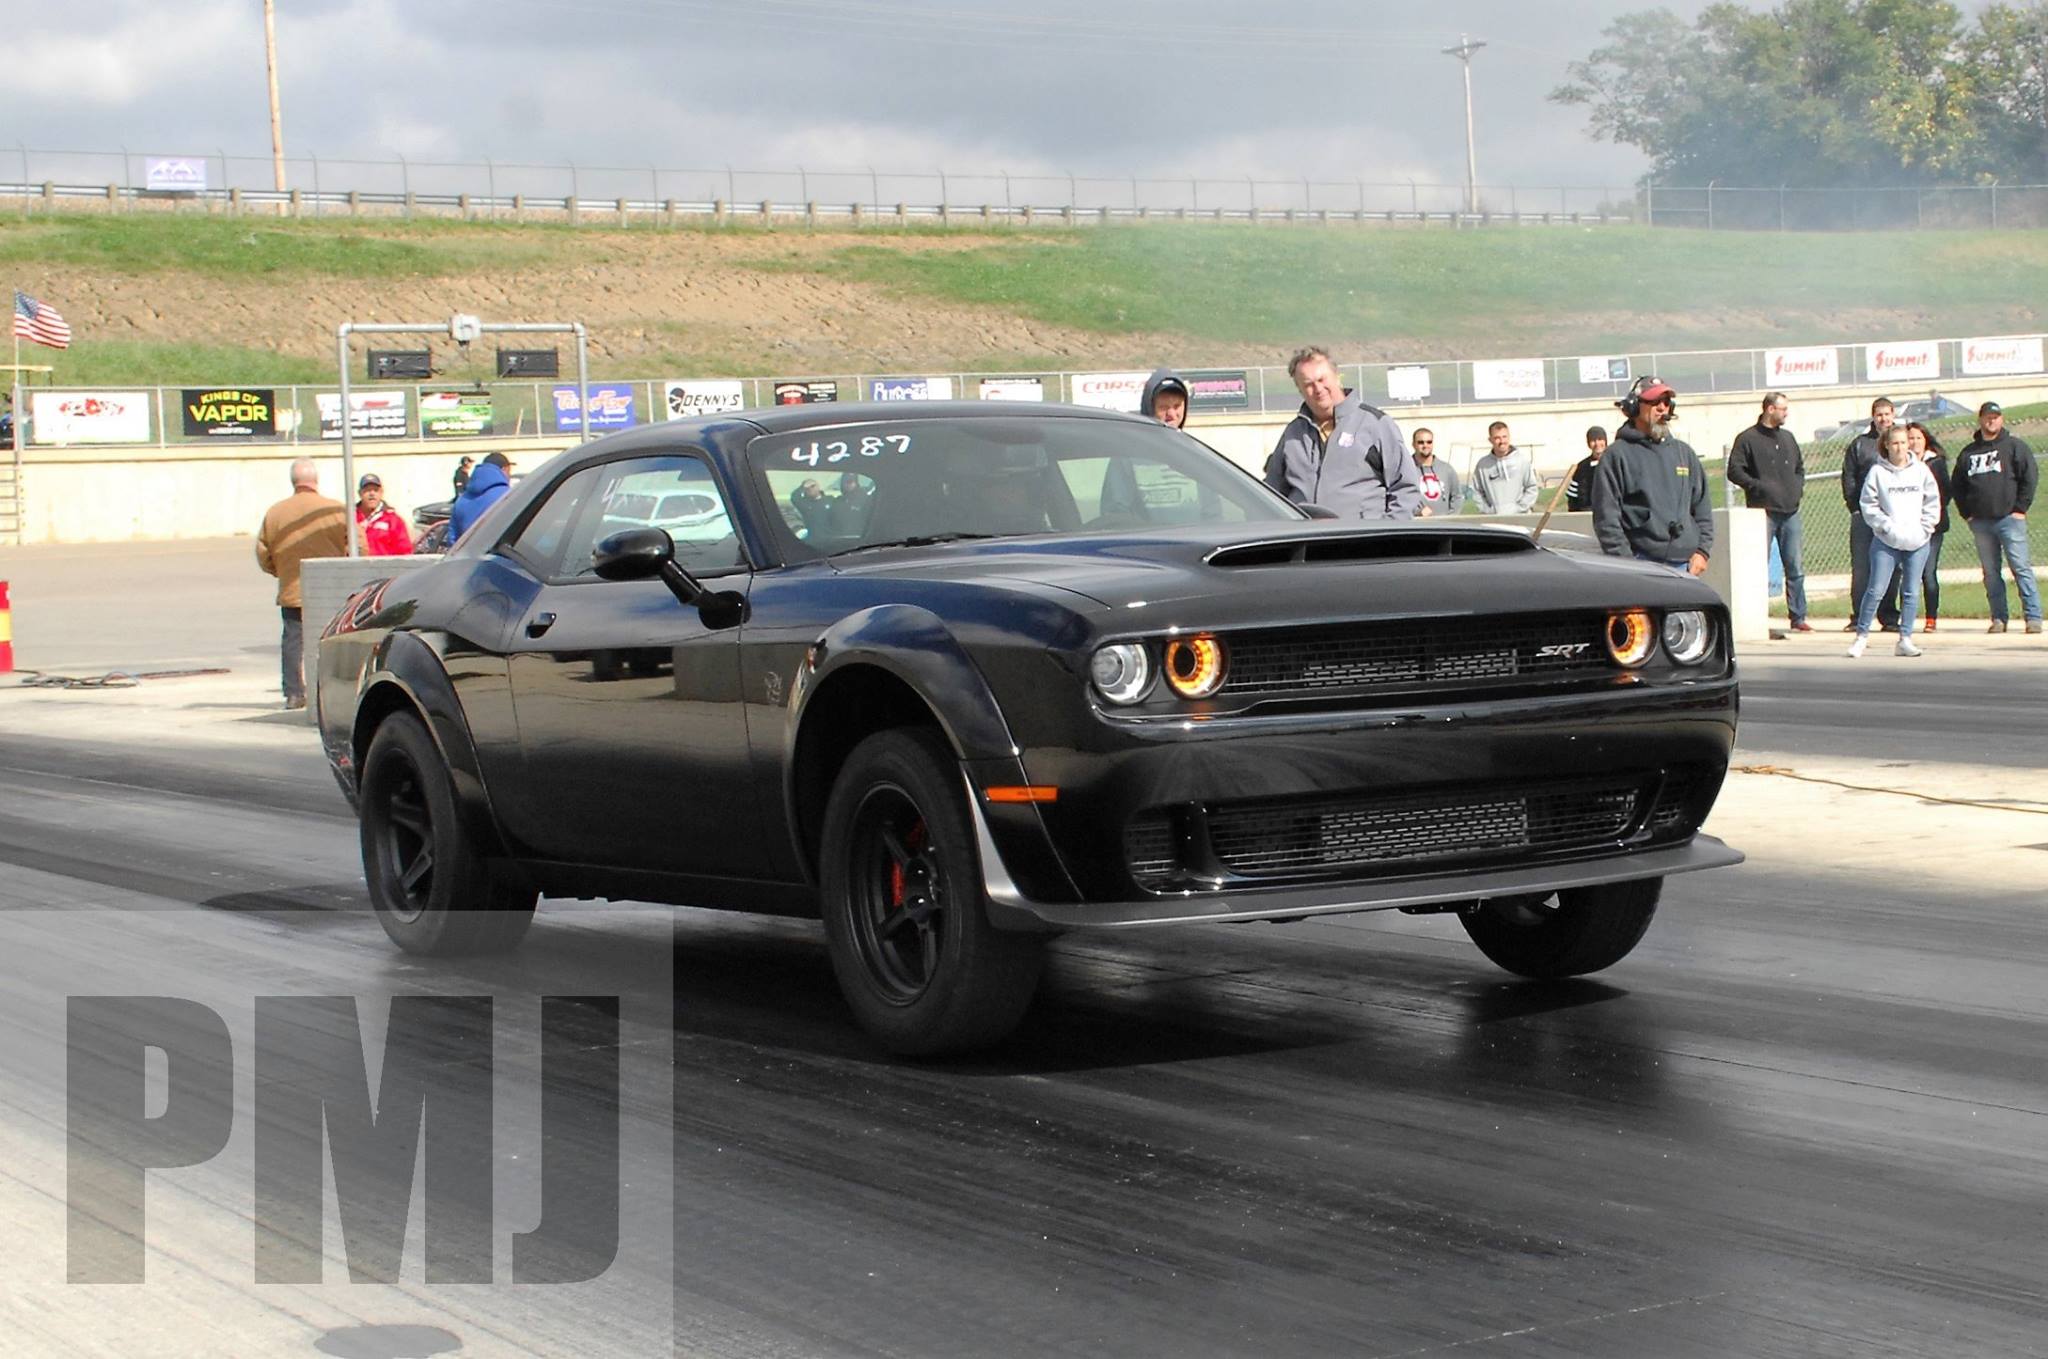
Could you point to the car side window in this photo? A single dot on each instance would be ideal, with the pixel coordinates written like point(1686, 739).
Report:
point(1125, 492)
point(674, 492)
point(539, 542)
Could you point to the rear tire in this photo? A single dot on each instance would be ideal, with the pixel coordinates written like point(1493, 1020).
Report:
point(911, 943)
point(1567, 934)
point(431, 890)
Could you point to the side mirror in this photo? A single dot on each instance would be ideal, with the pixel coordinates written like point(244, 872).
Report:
point(1318, 511)
point(636, 554)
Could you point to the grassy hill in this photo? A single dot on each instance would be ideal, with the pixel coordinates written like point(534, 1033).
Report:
point(162, 297)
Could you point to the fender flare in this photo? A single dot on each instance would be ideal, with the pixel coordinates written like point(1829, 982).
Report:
point(407, 664)
point(914, 645)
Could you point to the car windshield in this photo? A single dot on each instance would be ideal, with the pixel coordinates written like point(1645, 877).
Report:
point(844, 488)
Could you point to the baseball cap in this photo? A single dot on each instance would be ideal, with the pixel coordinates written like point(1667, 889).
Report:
point(498, 460)
point(1991, 408)
point(370, 479)
point(1657, 391)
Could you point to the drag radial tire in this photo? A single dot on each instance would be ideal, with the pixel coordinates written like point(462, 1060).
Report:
point(919, 962)
point(430, 888)
point(1575, 931)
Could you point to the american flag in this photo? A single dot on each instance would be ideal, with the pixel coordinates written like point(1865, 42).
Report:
point(39, 322)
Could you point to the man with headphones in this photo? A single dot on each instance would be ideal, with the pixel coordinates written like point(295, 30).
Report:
point(1650, 496)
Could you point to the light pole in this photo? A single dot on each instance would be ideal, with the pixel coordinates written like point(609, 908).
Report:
point(276, 119)
point(1463, 52)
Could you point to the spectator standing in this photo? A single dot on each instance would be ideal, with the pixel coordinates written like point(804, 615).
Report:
point(487, 486)
point(1767, 464)
point(1864, 452)
point(1900, 502)
point(383, 528)
point(1438, 480)
point(1927, 448)
point(1649, 490)
point(302, 526)
point(462, 473)
point(1993, 485)
point(1165, 398)
point(1504, 478)
point(1578, 487)
point(1340, 453)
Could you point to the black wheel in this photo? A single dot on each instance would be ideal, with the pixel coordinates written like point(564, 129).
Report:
point(1567, 934)
point(431, 890)
point(922, 967)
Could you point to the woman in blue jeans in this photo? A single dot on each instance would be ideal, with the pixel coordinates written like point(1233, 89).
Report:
point(1928, 449)
point(1901, 503)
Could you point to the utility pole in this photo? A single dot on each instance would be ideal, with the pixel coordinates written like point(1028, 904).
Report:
point(276, 120)
point(1463, 52)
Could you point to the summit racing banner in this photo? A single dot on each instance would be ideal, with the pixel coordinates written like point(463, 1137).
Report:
point(1814, 367)
point(90, 417)
point(1902, 359)
point(230, 413)
point(371, 415)
point(2001, 356)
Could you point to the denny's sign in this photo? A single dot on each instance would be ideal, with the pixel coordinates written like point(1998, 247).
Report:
point(230, 413)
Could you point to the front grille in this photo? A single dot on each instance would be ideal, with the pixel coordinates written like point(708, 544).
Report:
point(1464, 650)
point(1279, 836)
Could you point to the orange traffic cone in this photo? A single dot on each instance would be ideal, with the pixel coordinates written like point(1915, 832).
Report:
point(6, 632)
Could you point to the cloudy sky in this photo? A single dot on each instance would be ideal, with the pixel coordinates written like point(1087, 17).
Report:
point(1220, 89)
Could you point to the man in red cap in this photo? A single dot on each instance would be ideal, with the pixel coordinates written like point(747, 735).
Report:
point(1649, 491)
point(383, 528)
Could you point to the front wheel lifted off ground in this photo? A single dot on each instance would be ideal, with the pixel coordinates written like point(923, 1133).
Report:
point(919, 962)
point(1573, 932)
point(432, 891)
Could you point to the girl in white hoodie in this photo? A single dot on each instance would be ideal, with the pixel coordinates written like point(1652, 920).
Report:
point(1901, 503)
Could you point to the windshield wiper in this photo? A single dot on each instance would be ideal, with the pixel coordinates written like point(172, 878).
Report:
point(920, 540)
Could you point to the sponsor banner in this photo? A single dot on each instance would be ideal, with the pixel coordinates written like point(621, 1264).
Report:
point(1409, 383)
point(1902, 359)
point(448, 414)
point(1508, 380)
point(805, 393)
point(230, 413)
point(371, 415)
point(611, 407)
point(1012, 389)
point(1995, 357)
point(1109, 391)
point(174, 174)
point(910, 389)
point(90, 417)
point(1603, 369)
point(1817, 367)
point(1218, 391)
point(686, 398)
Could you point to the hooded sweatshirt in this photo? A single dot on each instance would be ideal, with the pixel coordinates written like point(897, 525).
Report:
point(1505, 484)
point(1650, 499)
point(487, 486)
point(1993, 477)
point(1164, 380)
point(1767, 464)
point(1440, 489)
point(1363, 471)
point(1901, 504)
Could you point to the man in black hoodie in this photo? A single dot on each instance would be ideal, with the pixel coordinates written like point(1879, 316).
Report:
point(1649, 491)
point(1993, 488)
point(1864, 452)
point(1767, 464)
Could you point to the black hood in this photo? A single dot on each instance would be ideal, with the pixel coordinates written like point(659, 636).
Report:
point(1163, 380)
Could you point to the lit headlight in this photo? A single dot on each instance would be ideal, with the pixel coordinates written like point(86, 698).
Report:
point(1688, 636)
point(1630, 636)
point(1122, 672)
point(1194, 666)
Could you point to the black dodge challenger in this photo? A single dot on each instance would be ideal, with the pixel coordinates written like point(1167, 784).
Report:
point(960, 677)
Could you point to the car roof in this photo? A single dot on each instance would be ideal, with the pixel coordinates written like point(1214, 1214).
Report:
point(782, 419)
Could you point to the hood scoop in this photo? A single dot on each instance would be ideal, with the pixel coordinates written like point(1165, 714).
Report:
point(1379, 545)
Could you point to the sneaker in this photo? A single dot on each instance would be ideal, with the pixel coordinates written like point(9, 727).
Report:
point(1931, 622)
point(2033, 625)
point(1856, 647)
point(1887, 627)
point(1906, 648)
point(1802, 626)
point(1850, 626)
point(1998, 626)
point(294, 704)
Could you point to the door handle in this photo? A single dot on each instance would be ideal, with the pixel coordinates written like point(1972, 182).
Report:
point(540, 624)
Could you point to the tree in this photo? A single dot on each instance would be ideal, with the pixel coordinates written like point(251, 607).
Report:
point(2008, 61)
point(1815, 92)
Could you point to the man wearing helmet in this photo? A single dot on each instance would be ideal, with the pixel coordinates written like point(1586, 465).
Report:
point(1649, 491)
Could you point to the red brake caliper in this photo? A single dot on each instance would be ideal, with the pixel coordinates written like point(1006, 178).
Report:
point(912, 841)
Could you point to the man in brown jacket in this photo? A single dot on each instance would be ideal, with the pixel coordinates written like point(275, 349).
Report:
point(304, 524)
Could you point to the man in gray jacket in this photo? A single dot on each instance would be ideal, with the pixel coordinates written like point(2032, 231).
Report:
point(1504, 479)
point(1340, 453)
point(1650, 496)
